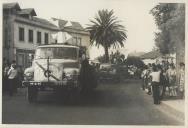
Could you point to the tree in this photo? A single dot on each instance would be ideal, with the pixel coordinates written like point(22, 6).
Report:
point(133, 60)
point(115, 58)
point(101, 59)
point(106, 31)
point(170, 19)
point(162, 41)
point(118, 58)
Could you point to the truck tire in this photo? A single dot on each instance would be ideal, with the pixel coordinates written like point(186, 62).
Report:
point(32, 94)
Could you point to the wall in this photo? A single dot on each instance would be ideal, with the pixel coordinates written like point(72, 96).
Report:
point(8, 37)
point(23, 50)
point(85, 40)
point(26, 44)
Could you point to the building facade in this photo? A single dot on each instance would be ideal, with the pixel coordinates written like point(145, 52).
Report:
point(22, 33)
point(157, 58)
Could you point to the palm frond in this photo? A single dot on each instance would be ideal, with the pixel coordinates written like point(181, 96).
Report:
point(105, 30)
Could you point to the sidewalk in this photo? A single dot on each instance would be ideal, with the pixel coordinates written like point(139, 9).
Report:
point(177, 104)
point(174, 107)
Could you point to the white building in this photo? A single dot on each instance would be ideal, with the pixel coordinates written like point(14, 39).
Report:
point(22, 32)
point(157, 57)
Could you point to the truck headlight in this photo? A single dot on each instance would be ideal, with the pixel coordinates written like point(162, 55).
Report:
point(28, 76)
point(71, 75)
point(68, 76)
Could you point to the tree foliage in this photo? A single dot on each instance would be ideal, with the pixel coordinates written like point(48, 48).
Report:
point(170, 19)
point(115, 58)
point(136, 61)
point(106, 30)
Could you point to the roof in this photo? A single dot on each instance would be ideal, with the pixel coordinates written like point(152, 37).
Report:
point(30, 11)
point(73, 25)
point(11, 5)
point(151, 55)
point(62, 23)
point(76, 25)
point(44, 21)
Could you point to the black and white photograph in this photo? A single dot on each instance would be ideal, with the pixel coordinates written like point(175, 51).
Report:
point(93, 63)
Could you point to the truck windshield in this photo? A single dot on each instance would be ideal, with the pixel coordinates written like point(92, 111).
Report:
point(56, 53)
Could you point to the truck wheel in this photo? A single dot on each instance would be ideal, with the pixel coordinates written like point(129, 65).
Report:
point(32, 94)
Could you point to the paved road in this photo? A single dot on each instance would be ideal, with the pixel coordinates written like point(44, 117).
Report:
point(109, 104)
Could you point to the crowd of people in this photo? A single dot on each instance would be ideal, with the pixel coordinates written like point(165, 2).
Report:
point(12, 77)
point(134, 72)
point(161, 80)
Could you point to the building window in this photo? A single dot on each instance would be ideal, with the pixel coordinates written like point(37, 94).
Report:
point(46, 38)
point(21, 34)
point(30, 36)
point(77, 41)
point(74, 40)
point(39, 37)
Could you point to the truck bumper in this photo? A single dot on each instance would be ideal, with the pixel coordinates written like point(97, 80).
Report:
point(58, 84)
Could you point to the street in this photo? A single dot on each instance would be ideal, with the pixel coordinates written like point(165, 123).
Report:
point(110, 104)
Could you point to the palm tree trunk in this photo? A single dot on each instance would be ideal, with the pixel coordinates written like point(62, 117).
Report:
point(106, 54)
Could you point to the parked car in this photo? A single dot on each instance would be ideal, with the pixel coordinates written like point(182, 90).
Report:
point(108, 73)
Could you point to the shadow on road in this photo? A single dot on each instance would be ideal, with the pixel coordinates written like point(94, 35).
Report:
point(103, 97)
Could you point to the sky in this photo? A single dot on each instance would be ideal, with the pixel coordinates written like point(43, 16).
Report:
point(133, 14)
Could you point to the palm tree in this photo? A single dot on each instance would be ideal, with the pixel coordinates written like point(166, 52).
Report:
point(106, 31)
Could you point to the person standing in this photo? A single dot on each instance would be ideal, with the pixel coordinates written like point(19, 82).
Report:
point(182, 80)
point(20, 76)
point(12, 78)
point(5, 77)
point(143, 76)
point(163, 80)
point(155, 78)
point(172, 80)
point(84, 71)
point(149, 80)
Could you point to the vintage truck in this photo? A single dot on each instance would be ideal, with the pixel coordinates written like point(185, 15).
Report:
point(57, 67)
